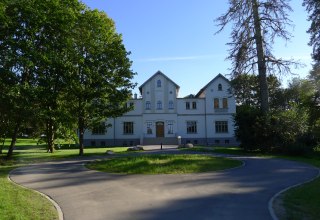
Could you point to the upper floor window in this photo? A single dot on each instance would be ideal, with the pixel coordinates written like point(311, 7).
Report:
point(216, 103)
point(194, 105)
point(191, 127)
point(128, 127)
point(159, 105)
point(187, 105)
point(171, 106)
point(158, 83)
point(148, 105)
point(225, 103)
point(220, 87)
point(99, 130)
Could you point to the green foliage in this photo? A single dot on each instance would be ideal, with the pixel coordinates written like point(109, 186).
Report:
point(61, 64)
point(285, 131)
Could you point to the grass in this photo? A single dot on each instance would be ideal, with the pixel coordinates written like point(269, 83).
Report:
point(18, 203)
point(302, 202)
point(163, 164)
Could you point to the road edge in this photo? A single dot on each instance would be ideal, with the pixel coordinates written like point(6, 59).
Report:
point(55, 204)
point(270, 203)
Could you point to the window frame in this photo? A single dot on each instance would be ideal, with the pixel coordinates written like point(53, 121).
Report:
point(159, 83)
point(171, 105)
point(221, 127)
point(148, 105)
point(159, 105)
point(192, 127)
point(99, 129)
point(128, 128)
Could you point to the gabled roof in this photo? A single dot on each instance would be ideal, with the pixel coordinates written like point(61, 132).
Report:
point(206, 86)
point(156, 74)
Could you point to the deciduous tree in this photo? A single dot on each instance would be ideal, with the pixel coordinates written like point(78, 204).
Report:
point(100, 82)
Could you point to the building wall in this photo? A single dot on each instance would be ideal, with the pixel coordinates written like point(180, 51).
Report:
point(175, 117)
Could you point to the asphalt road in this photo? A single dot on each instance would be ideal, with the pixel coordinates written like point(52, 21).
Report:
point(240, 193)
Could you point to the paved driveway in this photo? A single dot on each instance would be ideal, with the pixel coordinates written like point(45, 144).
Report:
point(240, 193)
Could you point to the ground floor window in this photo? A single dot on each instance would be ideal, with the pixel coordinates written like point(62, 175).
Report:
point(221, 127)
point(191, 127)
point(170, 127)
point(99, 129)
point(149, 127)
point(128, 127)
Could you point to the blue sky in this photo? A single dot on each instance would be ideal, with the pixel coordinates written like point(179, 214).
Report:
point(177, 37)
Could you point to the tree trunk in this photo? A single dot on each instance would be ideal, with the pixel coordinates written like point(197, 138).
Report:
point(81, 134)
point(13, 141)
point(263, 84)
point(50, 135)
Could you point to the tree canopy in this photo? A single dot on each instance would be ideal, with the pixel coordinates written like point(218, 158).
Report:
point(58, 58)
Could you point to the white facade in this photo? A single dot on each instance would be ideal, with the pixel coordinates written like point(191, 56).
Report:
point(159, 116)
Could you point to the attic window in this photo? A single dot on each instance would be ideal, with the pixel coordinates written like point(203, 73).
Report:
point(220, 87)
point(159, 83)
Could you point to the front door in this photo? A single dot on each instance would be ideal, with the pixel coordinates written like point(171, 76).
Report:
point(160, 129)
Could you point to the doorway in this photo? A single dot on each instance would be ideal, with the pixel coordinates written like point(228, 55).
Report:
point(160, 129)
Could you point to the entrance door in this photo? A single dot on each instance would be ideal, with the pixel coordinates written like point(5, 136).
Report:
point(160, 129)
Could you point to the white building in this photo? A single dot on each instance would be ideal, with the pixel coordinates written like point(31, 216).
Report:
point(159, 116)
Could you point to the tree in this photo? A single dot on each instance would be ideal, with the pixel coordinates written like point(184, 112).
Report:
point(17, 32)
point(100, 81)
point(256, 24)
point(245, 87)
point(313, 8)
point(53, 62)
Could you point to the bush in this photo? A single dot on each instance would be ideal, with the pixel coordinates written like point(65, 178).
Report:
point(282, 131)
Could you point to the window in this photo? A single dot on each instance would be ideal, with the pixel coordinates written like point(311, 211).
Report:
point(194, 105)
point(187, 105)
point(148, 105)
point(171, 106)
point(221, 127)
point(127, 127)
point(159, 83)
point(170, 127)
point(216, 103)
point(225, 103)
point(99, 130)
point(131, 105)
point(220, 87)
point(149, 127)
point(159, 105)
point(191, 127)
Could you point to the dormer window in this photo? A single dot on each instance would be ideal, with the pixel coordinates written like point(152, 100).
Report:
point(219, 87)
point(159, 83)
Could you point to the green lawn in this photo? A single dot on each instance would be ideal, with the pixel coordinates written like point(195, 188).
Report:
point(17, 203)
point(163, 164)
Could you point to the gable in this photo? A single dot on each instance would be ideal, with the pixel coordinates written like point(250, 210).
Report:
point(158, 74)
point(219, 79)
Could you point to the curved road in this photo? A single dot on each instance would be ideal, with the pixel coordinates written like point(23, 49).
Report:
point(240, 193)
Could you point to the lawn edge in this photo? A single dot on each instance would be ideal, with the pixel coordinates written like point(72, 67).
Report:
point(275, 196)
point(55, 204)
